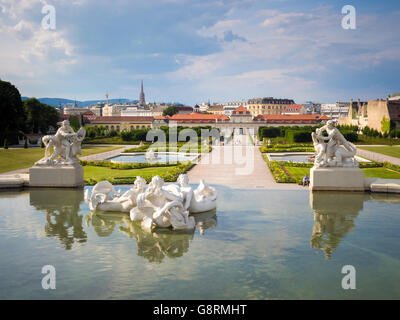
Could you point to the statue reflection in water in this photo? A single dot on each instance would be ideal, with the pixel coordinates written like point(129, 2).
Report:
point(62, 218)
point(154, 245)
point(333, 218)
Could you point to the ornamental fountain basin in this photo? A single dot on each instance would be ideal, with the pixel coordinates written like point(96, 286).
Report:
point(160, 157)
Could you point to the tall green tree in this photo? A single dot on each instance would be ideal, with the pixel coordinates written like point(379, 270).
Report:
point(170, 111)
point(11, 112)
point(39, 116)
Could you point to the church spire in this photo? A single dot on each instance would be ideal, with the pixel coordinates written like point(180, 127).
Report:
point(142, 100)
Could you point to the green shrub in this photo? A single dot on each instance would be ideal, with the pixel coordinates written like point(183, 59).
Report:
point(5, 143)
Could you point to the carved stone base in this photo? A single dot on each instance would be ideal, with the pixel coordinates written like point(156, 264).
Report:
point(56, 177)
point(346, 179)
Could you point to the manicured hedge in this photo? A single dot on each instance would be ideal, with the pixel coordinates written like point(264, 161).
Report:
point(170, 176)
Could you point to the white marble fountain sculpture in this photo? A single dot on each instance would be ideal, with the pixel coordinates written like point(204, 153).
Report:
point(65, 144)
point(159, 205)
point(335, 166)
point(151, 155)
point(60, 166)
point(337, 152)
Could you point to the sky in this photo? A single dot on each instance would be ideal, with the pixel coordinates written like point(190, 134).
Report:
point(194, 51)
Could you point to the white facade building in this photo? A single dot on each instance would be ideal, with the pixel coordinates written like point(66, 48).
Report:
point(334, 110)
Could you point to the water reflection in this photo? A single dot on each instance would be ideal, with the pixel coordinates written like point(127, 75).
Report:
point(334, 216)
point(156, 245)
point(62, 218)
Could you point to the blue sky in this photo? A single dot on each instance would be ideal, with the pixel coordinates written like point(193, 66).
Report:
point(192, 51)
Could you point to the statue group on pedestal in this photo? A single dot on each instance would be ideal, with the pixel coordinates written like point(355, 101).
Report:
point(337, 152)
point(159, 205)
point(65, 144)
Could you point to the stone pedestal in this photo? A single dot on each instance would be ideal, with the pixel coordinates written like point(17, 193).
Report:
point(56, 176)
point(336, 178)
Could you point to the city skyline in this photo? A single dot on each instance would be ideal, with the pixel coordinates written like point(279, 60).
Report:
point(192, 52)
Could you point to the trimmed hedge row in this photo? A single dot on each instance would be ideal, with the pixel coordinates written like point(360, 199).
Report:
point(169, 176)
point(276, 149)
point(127, 166)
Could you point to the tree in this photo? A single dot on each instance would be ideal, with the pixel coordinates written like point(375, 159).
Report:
point(11, 112)
point(74, 122)
point(26, 143)
point(5, 143)
point(39, 116)
point(170, 111)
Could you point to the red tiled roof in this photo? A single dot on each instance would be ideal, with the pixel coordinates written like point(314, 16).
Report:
point(194, 118)
point(123, 119)
point(291, 118)
point(162, 117)
point(241, 110)
point(296, 107)
point(199, 116)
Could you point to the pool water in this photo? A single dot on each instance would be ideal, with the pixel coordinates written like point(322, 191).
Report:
point(259, 244)
point(160, 157)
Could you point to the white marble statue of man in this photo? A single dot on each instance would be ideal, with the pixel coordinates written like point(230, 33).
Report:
point(334, 138)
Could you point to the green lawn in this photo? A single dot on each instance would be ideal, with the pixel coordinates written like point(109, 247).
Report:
point(14, 159)
point(393, 151)
point(94, 174)
point(102, 173)
point(380, 173)
point(298, 173)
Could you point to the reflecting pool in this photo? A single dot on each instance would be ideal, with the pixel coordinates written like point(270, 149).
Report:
point(160, 157)
point(259, 244)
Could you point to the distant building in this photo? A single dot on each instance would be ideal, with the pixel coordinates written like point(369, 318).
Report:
point(241, 114)
point(157, 110)
point(216, 109)
point(142, 100)
point(185, 110)
point(112, 110)
point(97, 109)
point(240, 122)
point(74, 110)
point(268, 105)
point(119, 123)
point(294, 109)
point(136, 112)
point(190, 120)
point(312, 107)
point(334, 110)
point(294, 120)
point(372, 114)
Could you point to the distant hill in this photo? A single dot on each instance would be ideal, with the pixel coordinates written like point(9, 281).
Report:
point(55, 102)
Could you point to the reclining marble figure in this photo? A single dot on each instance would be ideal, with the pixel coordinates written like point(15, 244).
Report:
point(159, 205)
point(337, 152)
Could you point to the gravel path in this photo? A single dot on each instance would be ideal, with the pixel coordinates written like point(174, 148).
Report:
point(237, 166)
